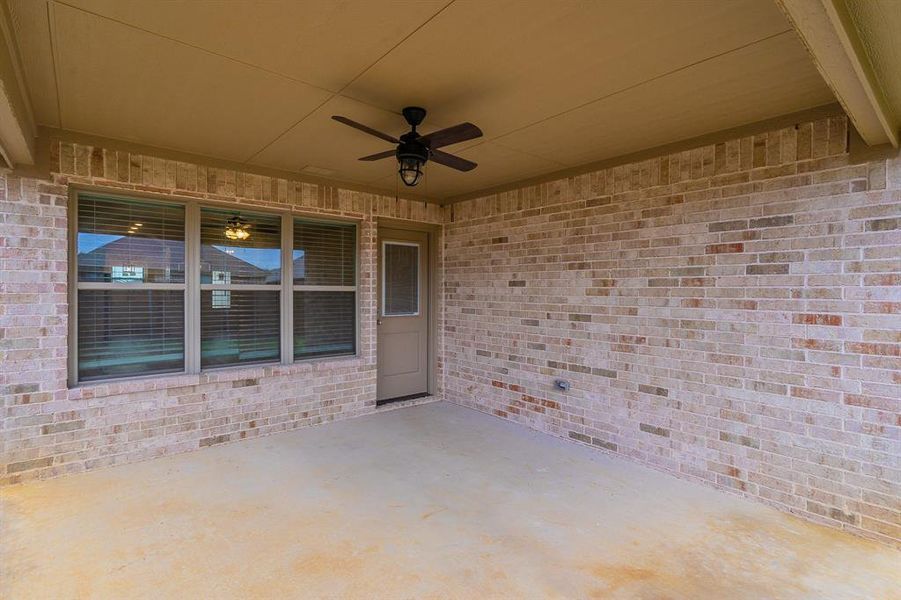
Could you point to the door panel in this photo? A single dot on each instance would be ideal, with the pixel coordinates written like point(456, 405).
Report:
point(403, 313)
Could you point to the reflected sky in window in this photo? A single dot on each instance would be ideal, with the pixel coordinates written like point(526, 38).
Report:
point(88, 242)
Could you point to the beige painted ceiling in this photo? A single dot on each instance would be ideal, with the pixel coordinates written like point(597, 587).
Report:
point(553, 84)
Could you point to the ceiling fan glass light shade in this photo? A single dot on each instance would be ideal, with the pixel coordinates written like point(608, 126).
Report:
point(410, 169)
point(236, 229)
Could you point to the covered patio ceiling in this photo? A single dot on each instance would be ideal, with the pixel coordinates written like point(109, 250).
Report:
point(552, 85)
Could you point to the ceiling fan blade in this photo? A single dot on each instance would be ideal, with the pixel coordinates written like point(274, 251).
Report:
point(454, 162)
point(366, 129)
point(451, 135)
point(379, 155)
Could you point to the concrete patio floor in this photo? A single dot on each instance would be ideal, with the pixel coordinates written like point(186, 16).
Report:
point(432, 501)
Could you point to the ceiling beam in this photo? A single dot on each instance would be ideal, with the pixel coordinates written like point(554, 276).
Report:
point(826, 29)
point(17, 126)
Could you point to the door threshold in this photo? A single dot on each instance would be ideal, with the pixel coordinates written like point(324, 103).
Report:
point(401, 398)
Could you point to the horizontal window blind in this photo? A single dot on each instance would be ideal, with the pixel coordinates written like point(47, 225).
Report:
point(256, 260)
point(400, 284)
point(130, 287)
point(124, 241)
point(240, 328)
point(325, 292)
point(324, 323)
point(125, 332)
point(324, 253)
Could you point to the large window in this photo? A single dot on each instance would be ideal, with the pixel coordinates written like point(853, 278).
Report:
point(168, 288)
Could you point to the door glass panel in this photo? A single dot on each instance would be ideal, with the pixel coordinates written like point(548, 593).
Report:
point(400, 279)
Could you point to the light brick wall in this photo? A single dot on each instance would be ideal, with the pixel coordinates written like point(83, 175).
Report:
point(729, 314)
point(47, 429)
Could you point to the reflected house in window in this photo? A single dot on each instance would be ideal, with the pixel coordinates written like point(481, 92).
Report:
point(109, 263)
point(133, 259)
point(222, 298)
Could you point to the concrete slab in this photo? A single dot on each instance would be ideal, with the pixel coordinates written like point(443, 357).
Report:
point(432, 501)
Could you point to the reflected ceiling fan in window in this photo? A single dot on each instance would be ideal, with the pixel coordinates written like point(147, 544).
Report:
point(414, 150)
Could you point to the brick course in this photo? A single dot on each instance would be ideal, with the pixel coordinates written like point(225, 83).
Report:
point(728, 314)
point(47, 429)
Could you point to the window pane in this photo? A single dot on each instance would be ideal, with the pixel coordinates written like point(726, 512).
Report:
point(401, 279)
point(127, 241)
point(130, 332)
point(324, 323)
point(239, 327)
point(255, 260)
point(324, 253)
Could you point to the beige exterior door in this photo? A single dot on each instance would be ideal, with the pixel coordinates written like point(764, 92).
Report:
point(403, 314)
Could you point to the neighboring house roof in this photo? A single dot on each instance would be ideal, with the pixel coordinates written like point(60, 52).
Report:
point(156, 254)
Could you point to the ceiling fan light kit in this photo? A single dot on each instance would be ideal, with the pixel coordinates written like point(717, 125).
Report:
point(237, 228)
point(414, 150)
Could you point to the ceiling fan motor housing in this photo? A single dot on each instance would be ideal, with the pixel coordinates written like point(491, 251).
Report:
point(410, 147)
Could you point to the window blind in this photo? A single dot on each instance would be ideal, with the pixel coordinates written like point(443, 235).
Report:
point(324, 323)
point(130, 241)
point(239, 318)
point(256, 260)
point(324, 253)
point(244, 331)
point(130, 332)
point(130, 258)
point(325, 293)
point(400, 283)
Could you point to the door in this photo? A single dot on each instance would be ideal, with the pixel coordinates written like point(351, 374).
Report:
point(403, 315)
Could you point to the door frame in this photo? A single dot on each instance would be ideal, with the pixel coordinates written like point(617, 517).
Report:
point(433, 231)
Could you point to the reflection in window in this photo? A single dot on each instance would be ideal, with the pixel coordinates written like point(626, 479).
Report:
point(256, 260)
point(129, 329)
point(241, 324)
point(117, 239)
point(123, 274)
point(222, 298)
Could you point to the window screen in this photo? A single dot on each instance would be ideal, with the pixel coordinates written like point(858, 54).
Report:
point(130, 288)
point(400, 284)
point(325, 293)
point(240, 282)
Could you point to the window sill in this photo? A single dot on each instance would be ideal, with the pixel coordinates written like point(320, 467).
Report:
point(166, 381)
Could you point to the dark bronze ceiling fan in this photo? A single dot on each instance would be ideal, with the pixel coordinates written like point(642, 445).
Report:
point(414, 150)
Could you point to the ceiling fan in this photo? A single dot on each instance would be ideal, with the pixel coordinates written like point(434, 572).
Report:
point(413, 149)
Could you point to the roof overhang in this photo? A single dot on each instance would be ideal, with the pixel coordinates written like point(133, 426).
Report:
point(826, 29)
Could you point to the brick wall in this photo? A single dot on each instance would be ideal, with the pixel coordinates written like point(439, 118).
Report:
point(47, 429)
point(729, 314)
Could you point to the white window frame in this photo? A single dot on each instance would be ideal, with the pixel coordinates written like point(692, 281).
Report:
point(192, 285)
point(385, 244)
